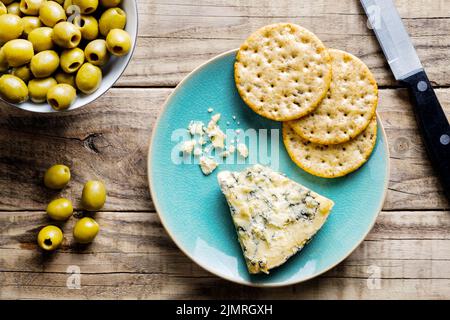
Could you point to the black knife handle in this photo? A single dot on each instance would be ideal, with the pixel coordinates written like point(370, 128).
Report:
point(433, 124)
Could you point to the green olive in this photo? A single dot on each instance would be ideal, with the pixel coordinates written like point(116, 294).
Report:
point(44, 63)
point(113, 18)
point(31, 7)
point(57, 176)
point(3, 62)
point(52, 13)
point(85, 230)
point(66, 35)
point(89, 78)
point(14, 8)
point(3, 9)
point(41, 38)
point(50, 238)
point(62, 77)
point(96, 52)
point(88, 26)
point(11, 27)
point(61, 2)
point(61, 96)
point(67, 4)
point(22, 72)
point(86, 6)
point(30, 23)
point(60, 209)
point(110, 3)
point(72, 60)
point(18, 52)
point(13, 89)
point(38, 88)
point(93, 196)
point(118, 42)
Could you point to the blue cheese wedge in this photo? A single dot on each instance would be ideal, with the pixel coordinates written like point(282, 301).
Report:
point(273, 215)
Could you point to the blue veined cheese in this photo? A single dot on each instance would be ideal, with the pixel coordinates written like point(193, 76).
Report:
point(273, 215)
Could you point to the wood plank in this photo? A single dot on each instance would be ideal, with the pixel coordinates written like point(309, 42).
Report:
point(134, 258)
point(109, 140)
point(174, 38)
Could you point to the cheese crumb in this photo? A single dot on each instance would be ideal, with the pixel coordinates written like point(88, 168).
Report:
point(198, 151)
point(207, 165)
point(215, 134)
point(188, 146)
point(243, 150)
point(196, 127)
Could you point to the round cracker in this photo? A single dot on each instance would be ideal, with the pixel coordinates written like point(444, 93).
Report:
point(330, 161)
point(282, 71)
point(349, 106)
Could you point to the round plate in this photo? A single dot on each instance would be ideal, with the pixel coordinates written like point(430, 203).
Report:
point(194, 211)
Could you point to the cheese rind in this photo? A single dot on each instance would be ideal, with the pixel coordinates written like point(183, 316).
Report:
point(273, 215)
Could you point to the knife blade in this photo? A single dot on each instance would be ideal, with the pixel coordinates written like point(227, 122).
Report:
point(407, 68)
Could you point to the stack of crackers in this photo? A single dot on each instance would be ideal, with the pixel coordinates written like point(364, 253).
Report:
point(326, 98)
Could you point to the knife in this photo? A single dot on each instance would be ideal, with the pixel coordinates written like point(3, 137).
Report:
point(407, 69)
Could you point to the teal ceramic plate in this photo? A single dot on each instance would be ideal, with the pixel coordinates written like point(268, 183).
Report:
point(194, 211)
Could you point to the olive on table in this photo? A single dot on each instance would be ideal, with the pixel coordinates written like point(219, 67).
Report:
point(110, 3)
point(67, 78)
point(85, 230)
point(66, 35)
point(96, 52)
point(3, 9)
point(11, 27)
point(113, 18)
point(93, 196)
point(22, 72)
point(30, 23)
point(61, 96)
point(14, 8)
point(52, 13)
point(38, 88)
point(88, 27)
point(57, 176)
point(50, 238)
point(118, 42)
point(13, 89)
point(31, 7)
point(60, 209)
point(86, 6)
point(41, 38)
point(3, 63)
point(44, 63)
point(88, 78)
point(71, 60)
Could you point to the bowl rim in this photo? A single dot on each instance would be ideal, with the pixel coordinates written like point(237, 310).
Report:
point(206, 267)
point(125, 65)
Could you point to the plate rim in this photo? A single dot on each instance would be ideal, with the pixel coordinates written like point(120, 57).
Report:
point(206, 267)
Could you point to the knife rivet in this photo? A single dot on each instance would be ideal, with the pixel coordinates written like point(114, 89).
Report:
point(422, 86)
point(445, 139)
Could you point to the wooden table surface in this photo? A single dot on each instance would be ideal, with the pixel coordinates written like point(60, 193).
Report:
point(133, 257)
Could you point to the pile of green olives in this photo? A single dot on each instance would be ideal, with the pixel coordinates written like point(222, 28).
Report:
point(86, 229)
point(50, 49)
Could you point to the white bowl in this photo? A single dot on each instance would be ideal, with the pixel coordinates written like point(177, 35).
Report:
point(111, 71)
